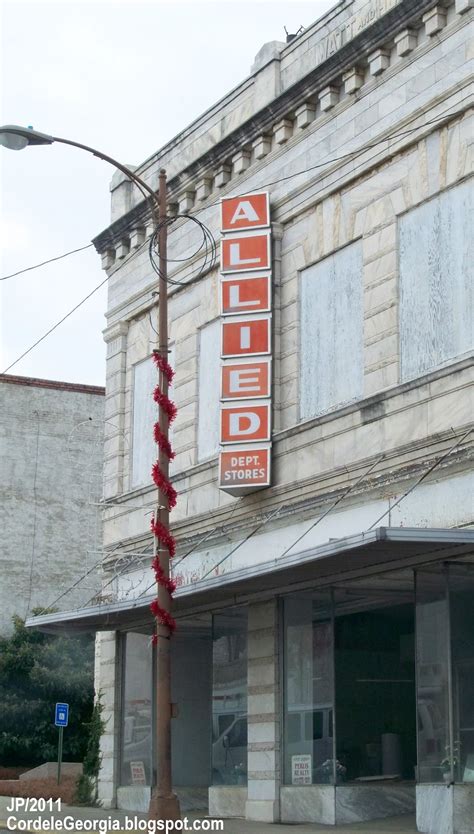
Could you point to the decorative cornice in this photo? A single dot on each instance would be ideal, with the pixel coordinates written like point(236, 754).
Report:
point(349, 55)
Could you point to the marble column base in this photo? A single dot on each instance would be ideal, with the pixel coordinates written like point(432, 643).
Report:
point(445, 810)
point(227, 801)
point(262, 810)
point(312, 803)
point(360, 803)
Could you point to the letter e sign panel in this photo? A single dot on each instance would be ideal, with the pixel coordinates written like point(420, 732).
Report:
point(246, 212)
point(241, 380)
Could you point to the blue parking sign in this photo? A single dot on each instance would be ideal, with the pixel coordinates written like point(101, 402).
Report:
point(61, 715)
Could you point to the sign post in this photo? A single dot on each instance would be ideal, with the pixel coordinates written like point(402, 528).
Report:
point(61, 718)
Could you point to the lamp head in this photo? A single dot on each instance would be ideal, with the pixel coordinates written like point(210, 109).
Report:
point(16, 138)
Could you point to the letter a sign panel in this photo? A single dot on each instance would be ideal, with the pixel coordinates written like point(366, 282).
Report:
point(245, 292)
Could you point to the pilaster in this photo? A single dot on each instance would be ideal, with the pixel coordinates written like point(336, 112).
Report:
point(263, 789)
point(106, 660)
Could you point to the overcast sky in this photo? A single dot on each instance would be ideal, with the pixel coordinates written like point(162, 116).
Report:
point(125, 78)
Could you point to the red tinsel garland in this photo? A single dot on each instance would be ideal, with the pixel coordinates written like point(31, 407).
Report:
point(165, 403)
point(164, 536)
point(163, 365)
point(164, 485)
point(163, 442)
point(163, 617)
point(160, 577)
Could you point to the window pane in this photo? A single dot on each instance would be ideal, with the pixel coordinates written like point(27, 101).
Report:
point(436, 281)
point(229, 698)
point(145, 415)
point(375, 687)
point(432, 629)
point(209, 391)
point(137, 710)
point(308, 689)
point(461, 584)
point(332, 372)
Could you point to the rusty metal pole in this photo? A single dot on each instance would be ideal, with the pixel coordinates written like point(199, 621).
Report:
point(164, 803)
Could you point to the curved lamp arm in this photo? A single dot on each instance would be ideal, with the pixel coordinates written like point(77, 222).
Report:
point(16, 138)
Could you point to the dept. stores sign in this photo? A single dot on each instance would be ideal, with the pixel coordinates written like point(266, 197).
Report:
point(245, 290)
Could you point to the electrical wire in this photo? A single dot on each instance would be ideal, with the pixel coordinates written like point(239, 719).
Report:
point(192, 215)
point(347, 155)
point(430, 469)
point(208, 244)
point(334, 505)
point(433, 466)
point(278, 510)
point(43, 263)
point(55, 326)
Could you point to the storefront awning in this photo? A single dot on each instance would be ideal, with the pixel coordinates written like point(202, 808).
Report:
point(375, 551)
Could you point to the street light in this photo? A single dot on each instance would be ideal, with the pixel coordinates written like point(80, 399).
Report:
point(163, 802)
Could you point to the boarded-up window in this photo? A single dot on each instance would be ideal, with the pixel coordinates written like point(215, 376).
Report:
point(436, 281)
point(145, 414)
point(331, 373)
point(209, 380)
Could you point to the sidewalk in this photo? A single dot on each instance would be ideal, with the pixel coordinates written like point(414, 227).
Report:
point(393, 825)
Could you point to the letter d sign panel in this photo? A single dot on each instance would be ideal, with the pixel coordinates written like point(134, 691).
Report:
point(245, 423)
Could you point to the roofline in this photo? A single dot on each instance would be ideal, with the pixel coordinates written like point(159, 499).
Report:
point(446, 543)
point(52, 383)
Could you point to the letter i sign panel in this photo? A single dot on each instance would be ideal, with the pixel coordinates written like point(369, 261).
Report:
point(246, 302)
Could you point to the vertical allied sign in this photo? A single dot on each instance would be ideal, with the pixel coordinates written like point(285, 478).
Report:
point(246, 343)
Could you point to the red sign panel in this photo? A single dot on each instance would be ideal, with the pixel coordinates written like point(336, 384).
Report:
point(245, 252)
point(240, 380)
point(250, 211)
point(240, 468)
point(243, 294)
point(249, 423)
point(245, 303)
point(247, 337)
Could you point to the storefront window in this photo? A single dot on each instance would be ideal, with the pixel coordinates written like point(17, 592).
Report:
point(375, 685)
point(461, 589)
point(432, 652)
point(229, 698)
point(308, 690)
point(136, 737)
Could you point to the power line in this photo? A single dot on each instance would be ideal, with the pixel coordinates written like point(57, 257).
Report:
point(347, 155)
point(51, 329)
point(318, 520)
point(43, 263)
point(192, 215)
point(334, 505)
point(430, 469)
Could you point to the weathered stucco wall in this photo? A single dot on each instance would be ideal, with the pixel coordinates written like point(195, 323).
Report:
point(51, 479)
